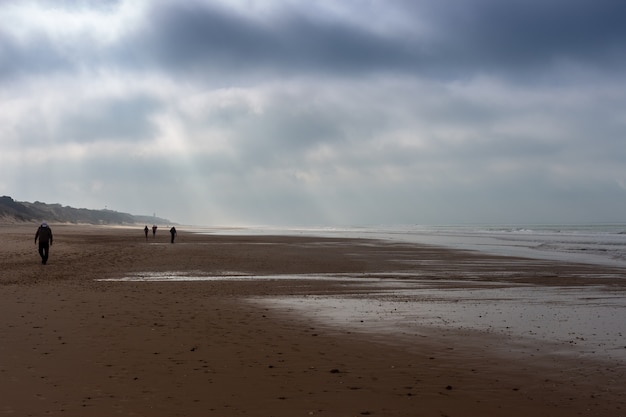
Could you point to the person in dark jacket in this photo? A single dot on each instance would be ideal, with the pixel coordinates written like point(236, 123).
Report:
point(173, 233)
point(44, 234)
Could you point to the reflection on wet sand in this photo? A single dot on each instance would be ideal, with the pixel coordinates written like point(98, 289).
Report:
point(580, 320)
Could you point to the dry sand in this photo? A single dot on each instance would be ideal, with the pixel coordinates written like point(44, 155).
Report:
point(72, 345)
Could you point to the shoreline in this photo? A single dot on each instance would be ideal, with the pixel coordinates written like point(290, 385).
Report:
point(73, 345)
point(590, 244)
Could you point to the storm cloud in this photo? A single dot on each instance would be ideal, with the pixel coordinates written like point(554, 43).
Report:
point(257, 112)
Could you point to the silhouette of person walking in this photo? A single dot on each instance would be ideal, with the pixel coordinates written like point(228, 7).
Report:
point(154, 227)
point(173, 233)
point(44, 234)
point(145, 230)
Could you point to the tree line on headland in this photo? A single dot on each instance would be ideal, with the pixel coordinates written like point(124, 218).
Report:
point(12, 211)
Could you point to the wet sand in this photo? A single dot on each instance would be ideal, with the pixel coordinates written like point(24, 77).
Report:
point(76, 341)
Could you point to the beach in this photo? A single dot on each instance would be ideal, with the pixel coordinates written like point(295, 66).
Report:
point(235, 325)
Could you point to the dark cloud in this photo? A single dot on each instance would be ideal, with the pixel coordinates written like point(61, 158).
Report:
point(87, 120)
point(520, 34)
point(190, 34)
point(80, 4)
point(125, 119)
point(479, 36)
point(285, 130)
point(346, 112)
point(461, 39)
point(37, 55)
point(197, 37)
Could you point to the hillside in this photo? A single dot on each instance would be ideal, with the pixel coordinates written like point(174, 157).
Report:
point(12, 211)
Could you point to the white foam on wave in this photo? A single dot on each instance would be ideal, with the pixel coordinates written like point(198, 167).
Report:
point(603, 244)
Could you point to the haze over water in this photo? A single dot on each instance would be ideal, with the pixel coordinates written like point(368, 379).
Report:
point(602, 244)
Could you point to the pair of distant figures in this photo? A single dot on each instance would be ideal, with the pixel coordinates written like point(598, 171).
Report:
point(154, 229)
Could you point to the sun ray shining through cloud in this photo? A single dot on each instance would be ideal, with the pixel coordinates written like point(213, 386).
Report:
point(256, 112)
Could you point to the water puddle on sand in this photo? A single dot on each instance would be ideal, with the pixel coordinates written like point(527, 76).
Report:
point(231, 276)
point(583, 321)
point(586, 321)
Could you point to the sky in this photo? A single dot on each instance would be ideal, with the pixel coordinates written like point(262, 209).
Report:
point(288, 112)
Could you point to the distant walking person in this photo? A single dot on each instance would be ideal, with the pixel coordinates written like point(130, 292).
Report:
point(44, 234)
point(154, 227)
point(173, 233)
point(145, 230)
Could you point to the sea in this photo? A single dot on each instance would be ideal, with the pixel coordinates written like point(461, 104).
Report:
point(600, 244)
point(583, 321)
